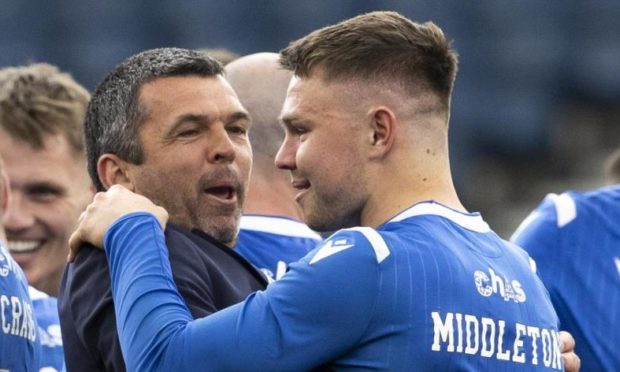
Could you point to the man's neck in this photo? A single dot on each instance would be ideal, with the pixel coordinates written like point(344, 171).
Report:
point(408, 187)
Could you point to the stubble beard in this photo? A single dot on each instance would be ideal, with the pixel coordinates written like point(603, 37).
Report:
point(195, 213)
point(331, 215)
point(223, 227)
point(191, 209)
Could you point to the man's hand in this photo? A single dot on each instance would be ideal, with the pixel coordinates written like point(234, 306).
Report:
point(572, 363)
point(106, 208)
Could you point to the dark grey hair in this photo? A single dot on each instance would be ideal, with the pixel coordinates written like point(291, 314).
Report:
point(114, 114)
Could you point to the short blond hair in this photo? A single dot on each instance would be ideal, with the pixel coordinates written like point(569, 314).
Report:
point(379, 47)
point(39, 100)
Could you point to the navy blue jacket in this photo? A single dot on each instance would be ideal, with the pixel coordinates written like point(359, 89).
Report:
point(209, 276)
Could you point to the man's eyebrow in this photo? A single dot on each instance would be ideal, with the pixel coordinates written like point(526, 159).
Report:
point(202, 118)
point(238, 115)
point(189, 118)
point(44, 185)
point(286, 120)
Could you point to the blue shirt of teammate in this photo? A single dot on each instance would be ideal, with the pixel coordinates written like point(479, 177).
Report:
point(46, 312)
point(19, 341)
point(432, 289)
point(575, 240)
point(271, 242)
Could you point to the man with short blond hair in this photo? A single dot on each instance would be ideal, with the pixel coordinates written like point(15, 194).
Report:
point(42, 141)
point(42, 113)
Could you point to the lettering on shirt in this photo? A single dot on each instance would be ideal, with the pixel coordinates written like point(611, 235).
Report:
point(617, 261)
point(487, 337)
point(491, 283)
point(17, 317)
point(7, 265)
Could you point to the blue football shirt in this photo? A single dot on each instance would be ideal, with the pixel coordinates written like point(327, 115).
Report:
point(46, 312)
point(19, 341)
point(271, 242)
point(431, 289)
point(575, 240)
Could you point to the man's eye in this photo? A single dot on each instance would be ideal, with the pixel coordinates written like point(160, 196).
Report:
point(299, 131)
point(188, 133)
point(238, 130)
point(43, 195)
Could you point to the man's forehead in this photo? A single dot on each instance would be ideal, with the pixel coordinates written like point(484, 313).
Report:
point(54, 143)
point(170, 94)
point(291, 91)
point(154, 86)
point(312, 93)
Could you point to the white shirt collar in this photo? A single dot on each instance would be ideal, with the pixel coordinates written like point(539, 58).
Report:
point(469, 221)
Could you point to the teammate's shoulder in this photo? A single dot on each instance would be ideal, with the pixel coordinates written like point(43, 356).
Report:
point(562, 208)
point(571, 206)
point(554, 211)
point(358, 241)
point(608, 196)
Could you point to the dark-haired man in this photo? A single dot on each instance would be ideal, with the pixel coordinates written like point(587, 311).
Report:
point(165, 124)
point(412, 281)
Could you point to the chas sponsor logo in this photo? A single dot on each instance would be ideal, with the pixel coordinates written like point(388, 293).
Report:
point(491, 283)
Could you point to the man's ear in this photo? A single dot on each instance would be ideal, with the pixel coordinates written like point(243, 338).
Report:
point(383, 125)
point(112, 170)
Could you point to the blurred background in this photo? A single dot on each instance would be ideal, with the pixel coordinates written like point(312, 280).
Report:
point(536, 107)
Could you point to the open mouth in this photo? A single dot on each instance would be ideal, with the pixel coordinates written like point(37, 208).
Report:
point(24, 246)
point(222, 192)
point(302, 186)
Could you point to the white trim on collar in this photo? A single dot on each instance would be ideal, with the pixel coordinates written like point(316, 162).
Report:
point(470, 221)
point(35, 294)
point(565, 208)
point(277, 225)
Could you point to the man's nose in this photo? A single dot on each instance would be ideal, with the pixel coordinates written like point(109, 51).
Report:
point(221, 147)
point(285, 158)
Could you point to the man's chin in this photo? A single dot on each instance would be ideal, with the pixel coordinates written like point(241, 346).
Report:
point(224, 235)
point(320, 225)
point(325, 223)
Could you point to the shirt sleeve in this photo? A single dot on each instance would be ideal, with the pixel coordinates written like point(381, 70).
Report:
point(318, 311)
